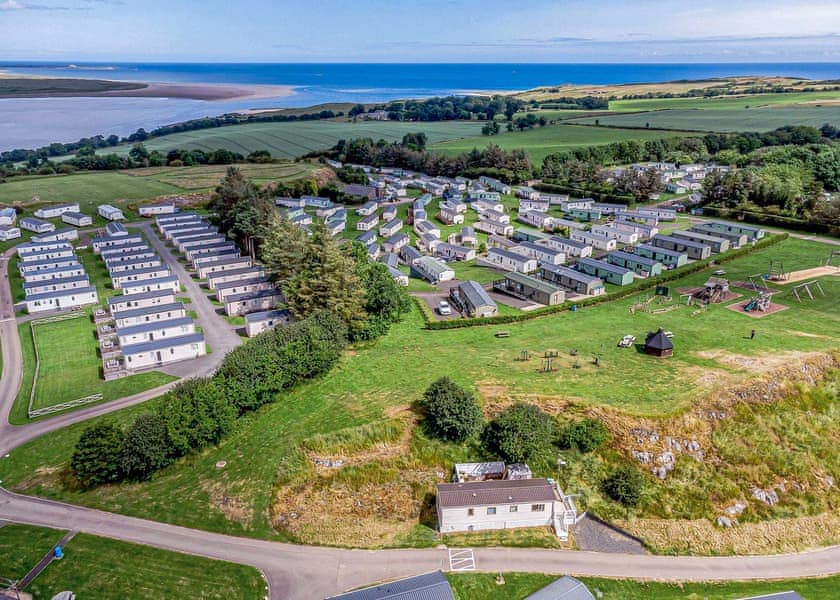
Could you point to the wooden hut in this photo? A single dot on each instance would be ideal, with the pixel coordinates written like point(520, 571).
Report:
point(658, 344)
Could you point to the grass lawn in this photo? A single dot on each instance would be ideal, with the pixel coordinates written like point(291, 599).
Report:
point(101, 568)
point(483, 586)
point(382, 380)
point(724, 119)
point(542, 141)
point(294, 139)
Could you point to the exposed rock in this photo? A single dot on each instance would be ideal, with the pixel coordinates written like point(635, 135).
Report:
point(724, 521)
point(736, 509)
point(769, 497)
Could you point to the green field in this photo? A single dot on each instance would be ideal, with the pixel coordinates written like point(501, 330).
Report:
point(386, 377)
point(724, 119)
point(727, 102)
point(291, 140)
point(101, 568)
point(542, 141)
point(125, 188)
point(483, 586)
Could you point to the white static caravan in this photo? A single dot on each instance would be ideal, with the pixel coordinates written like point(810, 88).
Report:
point(35, 288)
point(126, 252)
point(61, 300)
point(54, 211)
point(64, 234)
point(235, 262)
point(9, 232)
point(219, 277)
point(155, 330)
point(35, 266)
point(256, 323)
point(70, 270)
point(149, 314)
point(8, 216)
point(621, 236)
point(54, 254)
point(243, 286)
point(214, 257)
point(161, 208)
point(207, 239)
point(181, 216)
point(540, 253)
point(242, 304)
point(117, 304)
point(115, 267)
point(77, 219)
point(130, 276)
point(164, 351)
point(184, 228)
point(596, 240)
point(170, 283)
point(508, 261)
point(109, 242)
point(36, 225)
point(567, 246)
point(28, 248)
point(115, 229)
point(222, 248)
point(110, 213)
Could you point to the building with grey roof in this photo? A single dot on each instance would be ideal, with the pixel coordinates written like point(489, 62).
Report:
point(61, 300)
point(431, 586)
point(153, 330)
point(151, 354)
point(565, 588)
point(472, 299)
point(256, 323)
point(140, 300)
point(149, 314)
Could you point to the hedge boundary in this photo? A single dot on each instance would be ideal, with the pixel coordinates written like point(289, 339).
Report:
point(624, 292)
point(760, 218)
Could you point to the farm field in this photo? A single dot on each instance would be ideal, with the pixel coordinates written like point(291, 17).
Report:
point(752, 101)
point(126, 188)
point(482, 586)
point(723, 120)
point(541, 142)
point(378, 383)
point(95, 567)
point(291, 140)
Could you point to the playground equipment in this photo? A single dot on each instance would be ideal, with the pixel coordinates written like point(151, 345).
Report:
point(760, 303)
point(806, 287)
point(627, 341)
point(758, 282)
point(646, 304)
point(701, 309)
point(715, 290)
point(835, 254)
point(777, 271)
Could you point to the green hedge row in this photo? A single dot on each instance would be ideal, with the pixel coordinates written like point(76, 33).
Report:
point(759, 218)
point(629, 290)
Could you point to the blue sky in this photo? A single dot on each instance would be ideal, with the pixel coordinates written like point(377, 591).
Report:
point(421, 31)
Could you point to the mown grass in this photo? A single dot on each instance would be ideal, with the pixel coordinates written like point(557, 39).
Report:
point(723, 119)
point(542, 141)
point(370, 383)
point(95, 567)
point(483, 586)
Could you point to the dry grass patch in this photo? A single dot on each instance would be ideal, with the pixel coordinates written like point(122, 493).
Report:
point(700, 536)
point(234, 508)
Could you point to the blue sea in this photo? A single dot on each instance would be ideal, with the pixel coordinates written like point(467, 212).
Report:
point(26, 123)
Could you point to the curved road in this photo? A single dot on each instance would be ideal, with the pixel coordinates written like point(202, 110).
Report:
point(314, 572)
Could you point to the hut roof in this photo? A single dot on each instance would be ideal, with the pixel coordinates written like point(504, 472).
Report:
point(657, 340)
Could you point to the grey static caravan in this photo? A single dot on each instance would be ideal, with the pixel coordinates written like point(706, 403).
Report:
point(160, 352)
point(256, 323)
point(117, 304)
point(473, 299)
point(130, 265)
point(568, 246)
point(61, 300)
point(169, 282)
point(36, 225)
point(154, 330)
point(717, 244)
point(242, 304)
point(641, 265)
point(149, 314)
point(752, 233)
point(192, 253)
point(243, 286)
point(214, 257)
point(530, 288)
point(540, 253)
point(182, 216)
point(219, 277)
point(669, 258)
point(56, 210)
point(35, 266)
point(77, 219)
point(236, 262)
point(454, 252)
point(609, 272)
point(109, 242)
point(578, 282)
point(736, 240)
point(694, 250)
point(205, 240)
point(395, 242)
point(178, 230)
point(121, 278)
point(65, 234)
point(71, 270)
point(35, 288)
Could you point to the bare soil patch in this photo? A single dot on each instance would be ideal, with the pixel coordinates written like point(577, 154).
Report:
point(234, 508)
point(809, 274)
point(738, 307)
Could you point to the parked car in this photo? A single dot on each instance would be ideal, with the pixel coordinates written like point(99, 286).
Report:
point(444, 309)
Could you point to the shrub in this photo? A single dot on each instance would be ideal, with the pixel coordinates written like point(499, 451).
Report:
point(520, 432)
point(624, 485)
point(197, 414)
point(146, 448)
point(452, 412)
point(586, 435)
point(96, 459)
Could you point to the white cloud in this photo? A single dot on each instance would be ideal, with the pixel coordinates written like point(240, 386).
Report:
point(11, 5)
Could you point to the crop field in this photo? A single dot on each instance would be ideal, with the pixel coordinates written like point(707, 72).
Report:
point(377, 382)
point(724, 119)
point(482, 586)
point(798, 99)
point(96, 567)
point(123, 188)
point(542, 141)
point(291, 140)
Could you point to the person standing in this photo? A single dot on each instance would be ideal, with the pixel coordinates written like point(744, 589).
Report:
point(752, 334)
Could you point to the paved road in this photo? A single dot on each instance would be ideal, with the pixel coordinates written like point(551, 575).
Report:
point(312, 572)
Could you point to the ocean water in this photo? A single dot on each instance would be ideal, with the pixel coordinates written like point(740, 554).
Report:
point(26, 123)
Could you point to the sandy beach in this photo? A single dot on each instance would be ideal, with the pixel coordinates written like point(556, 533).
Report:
point(203, 91)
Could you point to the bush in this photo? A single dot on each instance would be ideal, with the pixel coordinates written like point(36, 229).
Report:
point(586, 435)
point(147, 447)
point(624, 485)
point(197, 414)
point(96, 459)
point(520, 432)
point(452, 412)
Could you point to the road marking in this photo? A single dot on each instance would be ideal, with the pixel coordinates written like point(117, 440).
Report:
point(462, 560)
